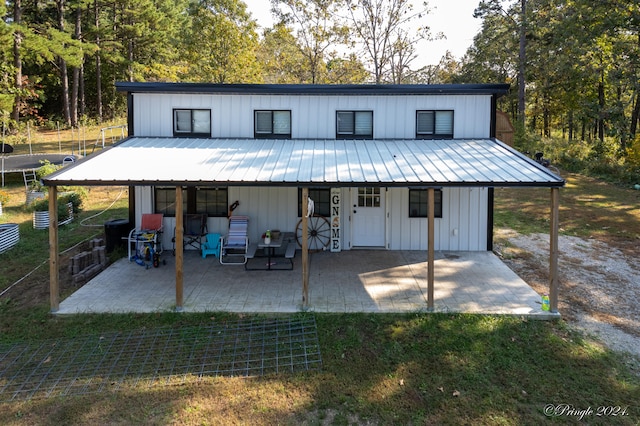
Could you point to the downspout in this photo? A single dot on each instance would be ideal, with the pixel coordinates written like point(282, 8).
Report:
point(130, 129)
point(492, 124)
point(490, 216)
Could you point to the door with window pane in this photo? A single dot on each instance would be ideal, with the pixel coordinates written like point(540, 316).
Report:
point(368, 217)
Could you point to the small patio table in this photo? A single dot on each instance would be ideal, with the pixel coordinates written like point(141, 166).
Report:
point(271, 247)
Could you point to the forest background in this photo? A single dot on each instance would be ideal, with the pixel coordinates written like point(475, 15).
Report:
point(574, 65)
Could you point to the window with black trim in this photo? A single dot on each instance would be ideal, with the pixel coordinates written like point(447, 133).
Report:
point(192, 122)
point(272, 124)
point(212, 201)
point(434, 124)
point(165, 200)
point(199, 200)
point(321, 201)
point(419, 203)
point(354, 124)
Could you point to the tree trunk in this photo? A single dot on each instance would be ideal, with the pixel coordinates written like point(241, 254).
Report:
point(522, 58)
point(64, 76)
point(75, 84)
point(601, 103)
point(571, 125)
point(96, 11)
point(17, 59)
point(635, 117)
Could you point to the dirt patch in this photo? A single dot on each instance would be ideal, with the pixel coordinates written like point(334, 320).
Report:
point(599, 286)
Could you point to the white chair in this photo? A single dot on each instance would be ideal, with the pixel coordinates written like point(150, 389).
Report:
point(236, 243)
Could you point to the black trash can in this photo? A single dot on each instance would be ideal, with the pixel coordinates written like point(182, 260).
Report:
point(114, 231)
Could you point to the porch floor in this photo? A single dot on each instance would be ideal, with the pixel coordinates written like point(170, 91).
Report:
point(350, 281)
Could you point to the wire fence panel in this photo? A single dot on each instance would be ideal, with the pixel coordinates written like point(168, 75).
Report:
point(156, 357)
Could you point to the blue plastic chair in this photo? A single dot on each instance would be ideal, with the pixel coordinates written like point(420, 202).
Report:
point(211, 246)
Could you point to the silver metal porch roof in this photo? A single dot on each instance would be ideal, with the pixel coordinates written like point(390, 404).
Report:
point(318, 162)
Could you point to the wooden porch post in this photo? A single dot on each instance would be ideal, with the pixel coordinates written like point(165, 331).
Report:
point(305, 248)
point(54, 277)
point(431, 199)
point(179, 249)
point(553, 250)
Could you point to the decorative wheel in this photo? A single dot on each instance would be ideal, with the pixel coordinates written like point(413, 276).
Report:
point(319, 233)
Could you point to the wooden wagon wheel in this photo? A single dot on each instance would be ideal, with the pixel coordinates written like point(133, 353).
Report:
point(319, 233)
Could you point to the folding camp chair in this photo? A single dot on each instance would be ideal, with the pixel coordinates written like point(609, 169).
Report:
point(195, 227)
point(145, 243)
point(236, 244)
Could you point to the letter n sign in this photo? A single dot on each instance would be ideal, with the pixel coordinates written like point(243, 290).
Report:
point(335, 219)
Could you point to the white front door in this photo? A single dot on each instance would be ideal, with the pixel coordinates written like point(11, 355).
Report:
point(368, 222)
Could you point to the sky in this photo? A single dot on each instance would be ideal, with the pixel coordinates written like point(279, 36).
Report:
point(454, 18)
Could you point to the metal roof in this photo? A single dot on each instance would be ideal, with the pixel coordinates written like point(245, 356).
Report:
point(315, 162)
point(314, 89)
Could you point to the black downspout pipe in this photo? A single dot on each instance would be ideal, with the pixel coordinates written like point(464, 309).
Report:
point(494, 107)
point(130, 129)
point(490, 207)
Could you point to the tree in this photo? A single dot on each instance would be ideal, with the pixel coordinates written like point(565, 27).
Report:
point(221, 43)
point(7, 73)
point(317, 29)
point(382, 28)
point(445, 72)
point(281, 57)
point(516, 20)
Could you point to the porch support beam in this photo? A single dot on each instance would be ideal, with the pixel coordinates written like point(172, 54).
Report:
point(54, 253)
point(431, 199)
point(305, 248)
point(179, 250)
point(553, 250)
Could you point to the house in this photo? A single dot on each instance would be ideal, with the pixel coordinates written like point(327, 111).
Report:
point(395, 167)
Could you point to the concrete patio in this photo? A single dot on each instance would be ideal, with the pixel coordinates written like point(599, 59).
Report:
point(351, 281)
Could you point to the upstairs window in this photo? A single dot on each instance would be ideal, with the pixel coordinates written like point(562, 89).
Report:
point(192, 122)
point(272, 124)
point(434, 124)
point(354, 124)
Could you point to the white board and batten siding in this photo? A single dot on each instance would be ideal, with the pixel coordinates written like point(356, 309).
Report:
point(312, 117)
point(463, 226)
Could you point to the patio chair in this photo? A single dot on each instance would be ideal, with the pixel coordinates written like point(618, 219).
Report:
point(211, 245)
point(236, 243)
point(146, 241)
point(195, 228)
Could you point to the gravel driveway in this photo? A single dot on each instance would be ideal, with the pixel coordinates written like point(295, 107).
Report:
point(599, 290)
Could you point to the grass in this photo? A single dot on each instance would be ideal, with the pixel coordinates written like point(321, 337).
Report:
point(377, 369)
point(588, 208)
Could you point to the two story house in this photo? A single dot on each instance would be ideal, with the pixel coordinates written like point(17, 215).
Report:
point(369, 156)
